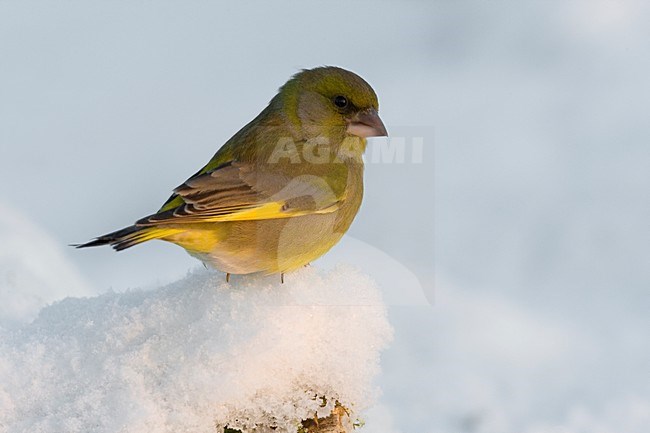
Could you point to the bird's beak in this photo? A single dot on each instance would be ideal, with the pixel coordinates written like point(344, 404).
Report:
point(367, 123)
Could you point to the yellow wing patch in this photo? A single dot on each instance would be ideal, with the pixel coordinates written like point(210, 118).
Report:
point(271, 210)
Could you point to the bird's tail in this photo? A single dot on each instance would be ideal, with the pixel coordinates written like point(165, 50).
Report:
point(129, 236)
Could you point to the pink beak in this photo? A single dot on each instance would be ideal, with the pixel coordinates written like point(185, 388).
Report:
point(367, 124)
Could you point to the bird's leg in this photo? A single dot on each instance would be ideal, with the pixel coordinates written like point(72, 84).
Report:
point(227, 277)
point(282, 277)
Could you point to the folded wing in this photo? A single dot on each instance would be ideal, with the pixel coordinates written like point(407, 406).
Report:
point(241, 191)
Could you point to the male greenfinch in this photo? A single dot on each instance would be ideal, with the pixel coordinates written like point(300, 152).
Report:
point(283, 190)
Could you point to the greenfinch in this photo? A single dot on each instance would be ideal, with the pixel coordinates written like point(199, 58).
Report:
point(283, 190)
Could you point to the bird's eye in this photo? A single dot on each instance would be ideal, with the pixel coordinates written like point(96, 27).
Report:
point(341, 101)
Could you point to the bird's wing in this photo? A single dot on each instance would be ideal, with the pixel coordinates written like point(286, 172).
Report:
point(241, 191)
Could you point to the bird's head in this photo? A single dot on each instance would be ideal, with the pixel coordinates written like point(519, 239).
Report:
point(328, 101)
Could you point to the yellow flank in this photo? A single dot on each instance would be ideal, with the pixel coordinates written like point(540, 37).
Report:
point(196, 239)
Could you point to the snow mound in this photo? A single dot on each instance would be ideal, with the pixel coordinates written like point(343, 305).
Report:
point(33, 269)
point(197, 355)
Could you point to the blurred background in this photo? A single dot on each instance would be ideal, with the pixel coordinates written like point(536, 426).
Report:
point(525, 220)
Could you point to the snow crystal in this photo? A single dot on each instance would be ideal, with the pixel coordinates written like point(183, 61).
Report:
point(197, 355)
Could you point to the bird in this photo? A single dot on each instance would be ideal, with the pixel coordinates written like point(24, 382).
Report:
point(283, 190)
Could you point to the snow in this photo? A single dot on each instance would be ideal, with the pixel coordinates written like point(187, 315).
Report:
point(33, 269)
point(251, 354)
point(488, 363)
